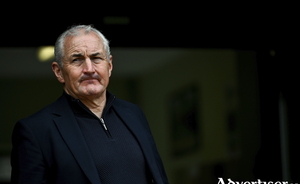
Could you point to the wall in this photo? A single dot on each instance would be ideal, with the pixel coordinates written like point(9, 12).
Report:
point(225, 144)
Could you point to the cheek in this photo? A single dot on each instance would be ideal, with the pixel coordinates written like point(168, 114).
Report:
point(104, 72)
point(71, 77)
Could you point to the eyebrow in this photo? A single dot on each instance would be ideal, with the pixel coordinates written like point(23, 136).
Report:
point(92, 55)
point(96, 54)
point(77, 55)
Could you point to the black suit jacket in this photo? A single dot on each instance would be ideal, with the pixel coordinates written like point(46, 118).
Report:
point(48, 147)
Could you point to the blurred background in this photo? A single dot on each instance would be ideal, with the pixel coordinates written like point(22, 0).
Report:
point(218, 83)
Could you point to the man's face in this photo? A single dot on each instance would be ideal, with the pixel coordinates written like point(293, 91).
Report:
point(86, 69)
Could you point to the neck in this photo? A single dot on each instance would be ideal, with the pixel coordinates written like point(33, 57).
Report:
point(95, 104)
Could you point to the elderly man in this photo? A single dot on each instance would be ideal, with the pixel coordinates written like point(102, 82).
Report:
point(87, 135)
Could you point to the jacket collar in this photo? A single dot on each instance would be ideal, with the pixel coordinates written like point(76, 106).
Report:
point(71, 133)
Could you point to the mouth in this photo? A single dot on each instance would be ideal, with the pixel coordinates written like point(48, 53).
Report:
point(89, 78)
point(90, 81)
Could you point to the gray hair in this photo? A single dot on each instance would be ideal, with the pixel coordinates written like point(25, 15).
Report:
point(75, 31)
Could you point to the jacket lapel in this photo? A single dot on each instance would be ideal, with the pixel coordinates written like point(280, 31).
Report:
point(136, 127)
point(71, 133)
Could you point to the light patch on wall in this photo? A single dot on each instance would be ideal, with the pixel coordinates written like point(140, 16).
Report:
point(45, 53)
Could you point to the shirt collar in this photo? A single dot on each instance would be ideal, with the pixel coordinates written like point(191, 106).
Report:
point(77, 105)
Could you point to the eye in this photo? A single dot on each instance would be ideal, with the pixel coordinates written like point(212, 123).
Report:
point(77, 59)
point(97, 59)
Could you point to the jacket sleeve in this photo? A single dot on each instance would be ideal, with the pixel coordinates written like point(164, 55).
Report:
point(26, 157)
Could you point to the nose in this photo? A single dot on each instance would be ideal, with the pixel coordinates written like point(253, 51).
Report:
point(88, 66)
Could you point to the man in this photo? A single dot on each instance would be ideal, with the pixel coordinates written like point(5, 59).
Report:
point(87, 135)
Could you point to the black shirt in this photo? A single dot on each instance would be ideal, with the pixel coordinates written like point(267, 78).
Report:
point(114, 149)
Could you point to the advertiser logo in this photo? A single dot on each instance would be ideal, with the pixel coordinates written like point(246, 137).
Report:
point(229, 181)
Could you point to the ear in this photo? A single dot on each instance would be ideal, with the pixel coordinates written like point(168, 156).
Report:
point(58, 72)
point(110, 65)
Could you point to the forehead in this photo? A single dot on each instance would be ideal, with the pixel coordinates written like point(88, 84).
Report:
point(83, 43)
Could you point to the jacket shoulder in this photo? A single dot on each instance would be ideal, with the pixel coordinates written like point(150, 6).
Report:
point(130, 108)
point(127, 105)
point(45, 113)
point(124, 103)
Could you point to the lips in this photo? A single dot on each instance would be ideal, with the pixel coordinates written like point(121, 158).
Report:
point(89, 78)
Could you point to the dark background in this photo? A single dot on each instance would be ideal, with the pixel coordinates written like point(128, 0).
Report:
point(261, 27)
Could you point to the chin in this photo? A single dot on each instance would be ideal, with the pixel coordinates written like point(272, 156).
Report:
point(93, 91)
